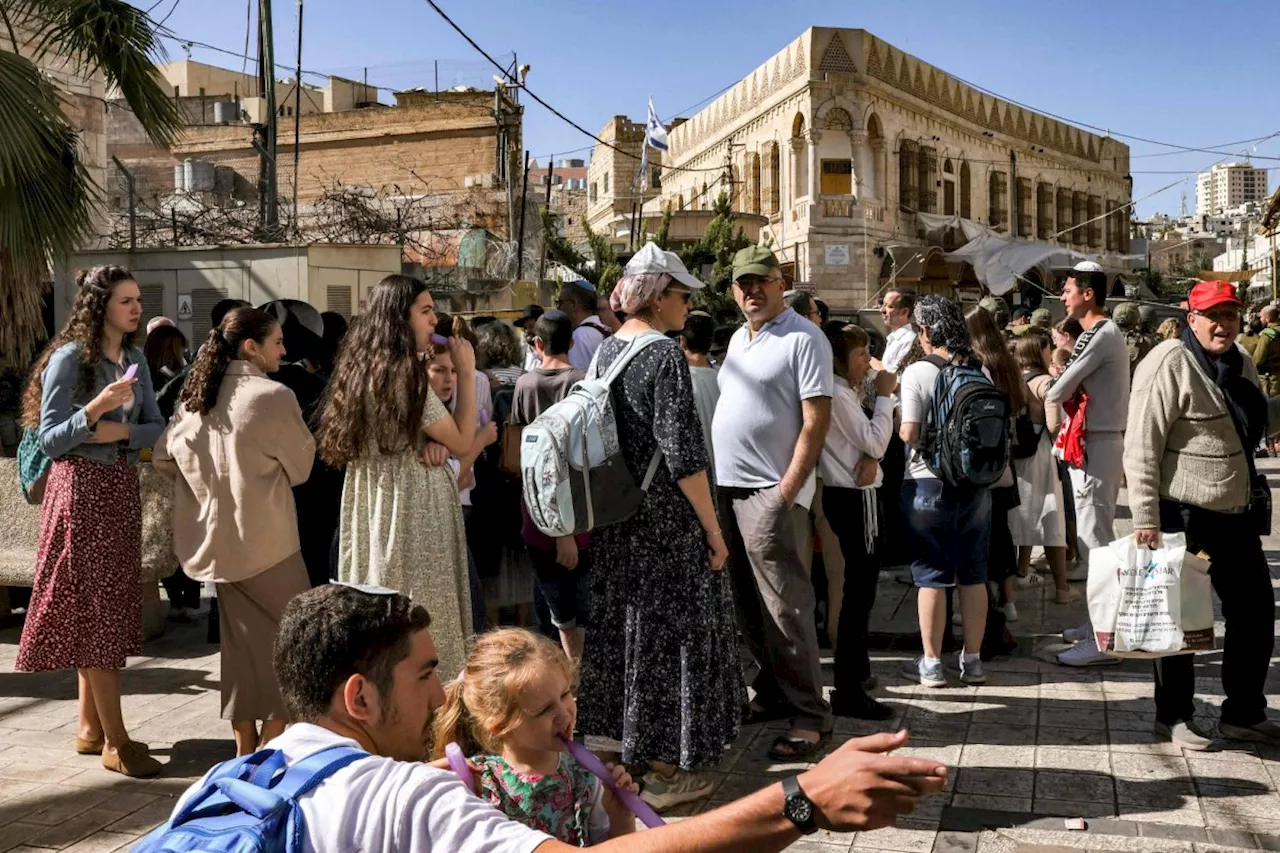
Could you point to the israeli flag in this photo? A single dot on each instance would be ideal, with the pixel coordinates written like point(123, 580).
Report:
point(655, 135)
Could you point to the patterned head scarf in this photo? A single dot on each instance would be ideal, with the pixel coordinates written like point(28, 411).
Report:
point(945, 322)
point(633, 292)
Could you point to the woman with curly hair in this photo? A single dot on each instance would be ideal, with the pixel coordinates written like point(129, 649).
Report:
point(401, 523)
point(92, 405)
point(498, 352)
point(235, 450)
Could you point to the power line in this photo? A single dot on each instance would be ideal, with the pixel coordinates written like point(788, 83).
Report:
point(517, 84)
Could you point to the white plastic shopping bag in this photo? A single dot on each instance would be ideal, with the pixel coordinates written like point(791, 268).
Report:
point(1150, 603)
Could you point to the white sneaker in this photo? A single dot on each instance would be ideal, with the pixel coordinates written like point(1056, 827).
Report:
point(1186, 735)
point(1085, 653)
point(1010, 611)
point(663, 792)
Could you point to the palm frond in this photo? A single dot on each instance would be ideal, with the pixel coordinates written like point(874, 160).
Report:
point(46, 197)
point(118, 39)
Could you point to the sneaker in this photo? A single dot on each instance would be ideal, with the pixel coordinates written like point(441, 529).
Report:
point(667, 792)
point(1185, 735)
point(1085, 653)
point(933, 676)
point(970, 672)
point(1067, 596)
point(1010, 611)
point(132, 760)
point(1030, 579)
point(1079, 571)
point(1076, 635)
point(1267, 731)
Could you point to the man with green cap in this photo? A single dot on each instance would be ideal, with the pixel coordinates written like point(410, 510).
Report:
point(768, 432)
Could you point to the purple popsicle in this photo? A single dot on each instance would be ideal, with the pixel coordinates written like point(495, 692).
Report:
point(458, 762)
point(629, 798)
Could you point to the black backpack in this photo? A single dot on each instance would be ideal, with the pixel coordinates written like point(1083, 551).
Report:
point(966, 434)
point(1026, 432)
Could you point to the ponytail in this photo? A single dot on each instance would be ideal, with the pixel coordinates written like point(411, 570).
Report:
point(222, 346)
point(454, 724)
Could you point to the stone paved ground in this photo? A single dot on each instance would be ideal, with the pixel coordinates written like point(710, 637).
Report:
point(1036, 746)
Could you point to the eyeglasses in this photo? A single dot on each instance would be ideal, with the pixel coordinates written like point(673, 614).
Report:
point(1220, 316)
point(685, 296)
point(755, 282)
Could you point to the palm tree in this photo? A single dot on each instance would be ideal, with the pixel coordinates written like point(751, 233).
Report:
point(47, 196)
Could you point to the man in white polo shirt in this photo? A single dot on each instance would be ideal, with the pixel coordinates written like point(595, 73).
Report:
point(770, 424)
point(358, 669)
point(895, 311)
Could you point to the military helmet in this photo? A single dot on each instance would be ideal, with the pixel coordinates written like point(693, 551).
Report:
point(1148, 314)
point(997, 308)
point(1127, 316)
point(1042, 318)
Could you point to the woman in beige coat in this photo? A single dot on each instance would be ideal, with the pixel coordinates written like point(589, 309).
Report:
point(236, 448)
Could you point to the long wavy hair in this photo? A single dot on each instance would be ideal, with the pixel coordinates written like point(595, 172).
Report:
point(94, 288)
point(165, 349)
point(990, 348)
point(379, 387)
point(498, 346)
point(221, 347)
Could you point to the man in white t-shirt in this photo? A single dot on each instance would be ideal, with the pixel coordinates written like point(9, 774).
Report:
point(581, 302)
point(895, 311)
point(1098, 369)
point(775, 406)
point(358, 669)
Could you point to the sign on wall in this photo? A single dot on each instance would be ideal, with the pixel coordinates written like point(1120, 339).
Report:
point(185, 311)
point(837, 255)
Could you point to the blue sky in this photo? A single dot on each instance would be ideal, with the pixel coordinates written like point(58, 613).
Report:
point(1191, 73)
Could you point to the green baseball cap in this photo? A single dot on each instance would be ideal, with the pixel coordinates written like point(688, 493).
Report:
point(753, 260)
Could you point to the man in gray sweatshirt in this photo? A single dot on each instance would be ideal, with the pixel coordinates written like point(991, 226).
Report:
point(1099, 368)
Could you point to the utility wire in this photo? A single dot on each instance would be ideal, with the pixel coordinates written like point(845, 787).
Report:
point(517, 84)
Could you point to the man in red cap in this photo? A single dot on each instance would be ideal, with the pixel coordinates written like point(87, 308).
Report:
point(1196, 416)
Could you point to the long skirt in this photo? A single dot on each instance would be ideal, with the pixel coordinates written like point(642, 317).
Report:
point(249, 613)
point(1039, 518)
point(86, 603)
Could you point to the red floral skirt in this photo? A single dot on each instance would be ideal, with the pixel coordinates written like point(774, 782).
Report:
point(86, 604)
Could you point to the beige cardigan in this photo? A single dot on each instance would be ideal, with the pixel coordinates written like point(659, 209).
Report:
point(1181, 443)
point(233, 471)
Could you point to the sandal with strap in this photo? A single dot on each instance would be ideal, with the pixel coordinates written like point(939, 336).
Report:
point(790, 748)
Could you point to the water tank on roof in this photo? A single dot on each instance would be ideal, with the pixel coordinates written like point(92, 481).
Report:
point(225, 112)
point(179, 179)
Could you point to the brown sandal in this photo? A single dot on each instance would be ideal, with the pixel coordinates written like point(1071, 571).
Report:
point(789, 748)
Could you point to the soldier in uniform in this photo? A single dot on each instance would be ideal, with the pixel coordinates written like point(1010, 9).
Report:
point(1128, 317)
point(998, 309)
point(1250, 333)
point(1266, 355)
point(1150, 320)
point(1042, 319)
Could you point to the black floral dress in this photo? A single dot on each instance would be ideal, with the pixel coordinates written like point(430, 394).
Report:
point(660, 671)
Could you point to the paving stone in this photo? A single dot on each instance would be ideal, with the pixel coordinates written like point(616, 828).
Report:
point(1174, 831)
point(1079, 737)
point(1230, 774)
point(15, 834)
point(1053, 758)
point(898, 839)
point(998, 782)
point(1146, 767)
point(1231, 837)
point(1073, 808)
point(1085, 787)
point(1001, 734)
point(145, 819)
point(1073, 718)
point(70, 831)
point(102, 842)
point(991, 802)
point(1157, 794)
point(985, 755)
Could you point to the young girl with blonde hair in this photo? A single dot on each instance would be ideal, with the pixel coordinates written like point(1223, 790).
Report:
point(511, 709)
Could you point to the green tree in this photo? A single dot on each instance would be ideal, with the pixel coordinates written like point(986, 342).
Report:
point(47, 196)
point(663, 238)
point(719, 243)
point(605, 269)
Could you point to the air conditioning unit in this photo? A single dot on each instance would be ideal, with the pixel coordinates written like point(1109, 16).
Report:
point(254, 110)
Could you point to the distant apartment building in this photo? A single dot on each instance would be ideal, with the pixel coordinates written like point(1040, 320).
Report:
point(1229, 185)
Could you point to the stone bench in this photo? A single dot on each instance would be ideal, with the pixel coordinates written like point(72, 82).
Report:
point(20, 539)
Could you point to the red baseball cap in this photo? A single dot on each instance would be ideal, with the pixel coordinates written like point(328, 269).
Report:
point(1208, 294)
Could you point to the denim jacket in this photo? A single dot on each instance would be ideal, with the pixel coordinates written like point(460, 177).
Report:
point(64, 430)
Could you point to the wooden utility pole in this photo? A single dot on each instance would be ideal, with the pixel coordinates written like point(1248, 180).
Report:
point(551, 173)
point(268, 198)
point(524, 191)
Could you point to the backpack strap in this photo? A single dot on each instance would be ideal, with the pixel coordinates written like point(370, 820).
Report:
point(246, 782)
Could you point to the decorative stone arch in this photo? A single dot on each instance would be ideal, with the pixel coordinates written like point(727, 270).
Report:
point(964, 178)
point(948, 186)
point(874, 166)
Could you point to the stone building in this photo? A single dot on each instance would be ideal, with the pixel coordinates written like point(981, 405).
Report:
point(853, 150)
point(612, 188)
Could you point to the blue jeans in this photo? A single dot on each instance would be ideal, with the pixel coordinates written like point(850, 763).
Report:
point(950, 533)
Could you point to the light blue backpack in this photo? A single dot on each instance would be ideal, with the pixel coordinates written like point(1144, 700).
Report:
point(248, 805)
point(574, 476)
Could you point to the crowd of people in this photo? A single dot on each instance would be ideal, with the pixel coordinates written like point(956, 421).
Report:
point(391, 463)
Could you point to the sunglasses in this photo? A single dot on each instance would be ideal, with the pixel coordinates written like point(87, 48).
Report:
point(685, 296)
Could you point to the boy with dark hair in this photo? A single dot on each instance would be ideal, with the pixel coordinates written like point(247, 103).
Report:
point(696, 340)
point(561, 566)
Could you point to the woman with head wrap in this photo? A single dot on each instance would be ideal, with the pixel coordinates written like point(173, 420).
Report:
point(661, 681)
point(950, 527)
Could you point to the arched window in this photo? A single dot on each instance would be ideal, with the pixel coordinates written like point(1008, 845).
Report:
point(997, 199)
point(753, 185)
point(680, 202)
point(872, 174)
point(907, 176)
point(1044, 210)
point(799, 160)
point(966, 200)
point(773, 178)
point(927, 194)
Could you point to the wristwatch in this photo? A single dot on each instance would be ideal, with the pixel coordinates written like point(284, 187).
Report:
point(797, 807)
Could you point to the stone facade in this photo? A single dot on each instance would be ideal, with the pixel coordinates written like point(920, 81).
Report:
point(840, 139)
point(611, 176)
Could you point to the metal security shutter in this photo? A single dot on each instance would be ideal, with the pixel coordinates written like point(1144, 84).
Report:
point(152, 303)
point(202, 301)
point(338, 298)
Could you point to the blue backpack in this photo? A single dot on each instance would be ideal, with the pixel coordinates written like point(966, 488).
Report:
point(966, 434)
point(248, 805)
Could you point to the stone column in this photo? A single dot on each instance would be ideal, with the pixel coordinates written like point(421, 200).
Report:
point(815, 180)
point(863, 179)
